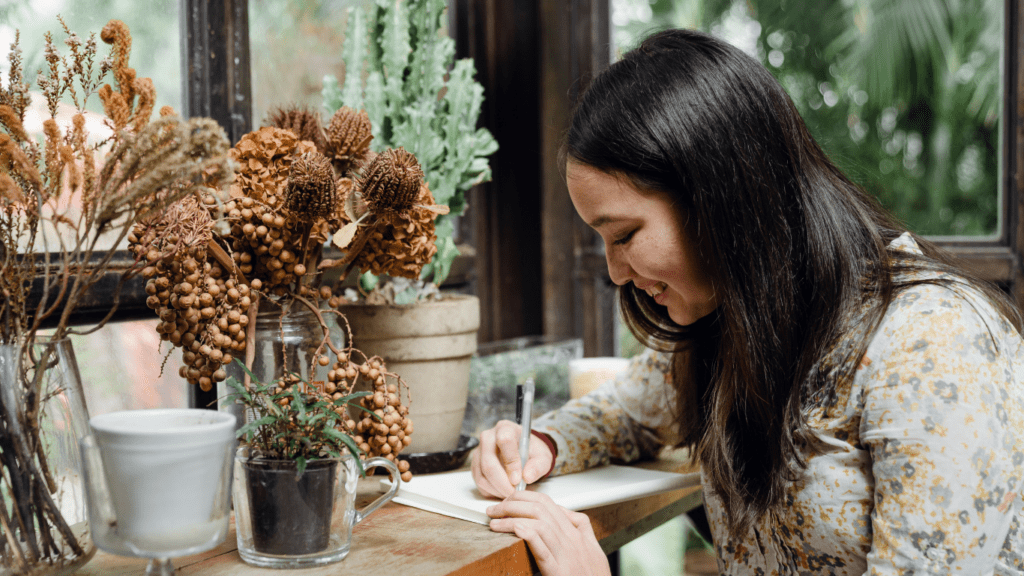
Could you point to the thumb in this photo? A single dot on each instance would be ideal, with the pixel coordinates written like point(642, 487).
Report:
point(538, 465)
point(533, 471)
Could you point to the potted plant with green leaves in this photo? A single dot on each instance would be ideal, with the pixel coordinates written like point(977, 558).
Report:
point(297, 466)
point(401, 71)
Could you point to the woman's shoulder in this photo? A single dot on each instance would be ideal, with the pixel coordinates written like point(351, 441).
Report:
point(947, 319)
point(947, 303)
point(650, 361)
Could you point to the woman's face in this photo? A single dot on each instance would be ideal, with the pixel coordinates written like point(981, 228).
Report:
point(646, 241)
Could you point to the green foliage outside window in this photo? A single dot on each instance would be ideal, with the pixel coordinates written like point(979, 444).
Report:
point(903, 95)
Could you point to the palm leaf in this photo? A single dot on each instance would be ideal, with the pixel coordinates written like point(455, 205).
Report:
point(890, 37)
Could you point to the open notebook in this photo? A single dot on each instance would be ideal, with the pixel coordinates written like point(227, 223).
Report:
point(454, 493)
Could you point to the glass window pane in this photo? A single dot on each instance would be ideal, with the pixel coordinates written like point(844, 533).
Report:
point(155, 54)
point(904, 96)
point(292, 45)
point(125, 366)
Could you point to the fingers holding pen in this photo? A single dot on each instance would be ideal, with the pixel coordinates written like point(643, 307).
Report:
point(496, 464)
point(491, 460)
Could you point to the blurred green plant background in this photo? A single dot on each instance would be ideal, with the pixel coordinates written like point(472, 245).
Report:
point(905, 96)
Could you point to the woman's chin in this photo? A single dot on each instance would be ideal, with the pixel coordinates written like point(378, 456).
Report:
point(688, 315)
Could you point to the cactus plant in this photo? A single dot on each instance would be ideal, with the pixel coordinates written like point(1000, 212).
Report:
point(402, 71)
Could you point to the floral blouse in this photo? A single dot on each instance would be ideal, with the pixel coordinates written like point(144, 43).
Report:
point(923, 454)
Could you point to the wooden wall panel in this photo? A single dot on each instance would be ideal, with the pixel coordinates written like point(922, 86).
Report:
point(1013, 145)
point(503, 222)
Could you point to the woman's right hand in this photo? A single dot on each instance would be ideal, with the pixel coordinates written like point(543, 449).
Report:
point(496, 463)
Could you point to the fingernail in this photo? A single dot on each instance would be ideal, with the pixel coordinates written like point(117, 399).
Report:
point(489, 511)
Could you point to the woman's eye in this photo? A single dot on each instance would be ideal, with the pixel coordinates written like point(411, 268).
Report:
point(623, 239)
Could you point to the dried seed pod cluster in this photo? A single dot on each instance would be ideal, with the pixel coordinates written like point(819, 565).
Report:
point(212, 257)
point(389, 430)
point(385, 432)
point(301, 121)
point(269, 241)
point(311, 187)
point(392, 202)
point(392, 182)
point(402, 242)
point(348, 138)
point(202, 308)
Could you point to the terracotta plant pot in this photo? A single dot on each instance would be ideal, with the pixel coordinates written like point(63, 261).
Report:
point(429, 345)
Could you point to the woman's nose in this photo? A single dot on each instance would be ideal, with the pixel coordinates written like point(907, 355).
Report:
point(619, 270)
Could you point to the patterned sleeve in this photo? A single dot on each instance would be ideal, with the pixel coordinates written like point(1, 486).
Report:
point(625, 419)
point(942, 418)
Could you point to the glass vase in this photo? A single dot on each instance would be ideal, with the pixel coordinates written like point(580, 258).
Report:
point(287, 337)
point(44, 526)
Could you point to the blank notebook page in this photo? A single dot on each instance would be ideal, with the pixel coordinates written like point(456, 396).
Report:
point(455, 494)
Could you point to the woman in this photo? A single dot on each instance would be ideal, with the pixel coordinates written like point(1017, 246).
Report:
point(853, 398)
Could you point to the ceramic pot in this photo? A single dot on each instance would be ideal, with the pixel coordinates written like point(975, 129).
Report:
point(429, 345)
point(159, 480)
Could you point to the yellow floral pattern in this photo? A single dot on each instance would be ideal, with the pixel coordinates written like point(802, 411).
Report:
point(921, 458)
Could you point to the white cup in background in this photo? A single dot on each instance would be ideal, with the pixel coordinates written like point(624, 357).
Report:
point(586, 374)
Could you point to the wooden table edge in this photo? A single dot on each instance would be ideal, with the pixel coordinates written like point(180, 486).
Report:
point(614, 525)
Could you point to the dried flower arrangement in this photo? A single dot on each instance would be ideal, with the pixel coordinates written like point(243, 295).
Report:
point(70, 191)
point(223, 259)
point(417, 97)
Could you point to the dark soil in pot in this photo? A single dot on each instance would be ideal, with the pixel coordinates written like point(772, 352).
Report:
point(290, 517)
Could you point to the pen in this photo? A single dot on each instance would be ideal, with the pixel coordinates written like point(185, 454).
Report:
point(524, 409)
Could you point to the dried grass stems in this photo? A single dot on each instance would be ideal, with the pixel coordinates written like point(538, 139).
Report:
point(58, 197)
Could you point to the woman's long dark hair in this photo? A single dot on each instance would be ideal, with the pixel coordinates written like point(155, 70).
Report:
point(791, 243)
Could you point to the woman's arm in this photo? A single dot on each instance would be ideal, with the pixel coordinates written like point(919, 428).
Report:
point(942, 419)
point(624, 420)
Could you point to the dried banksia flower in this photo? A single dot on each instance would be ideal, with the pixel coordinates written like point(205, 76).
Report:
point(311, 190)
point(348, 138)
point(301, 121)
point(403, 242)
point(392, 182)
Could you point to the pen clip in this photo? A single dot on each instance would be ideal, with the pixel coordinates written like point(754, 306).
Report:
point(519, 404)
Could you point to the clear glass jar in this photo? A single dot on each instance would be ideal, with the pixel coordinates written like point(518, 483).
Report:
point(44, 530)
point(287, 337)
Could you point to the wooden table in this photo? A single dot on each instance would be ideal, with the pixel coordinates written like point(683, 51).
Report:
point(398, 539)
